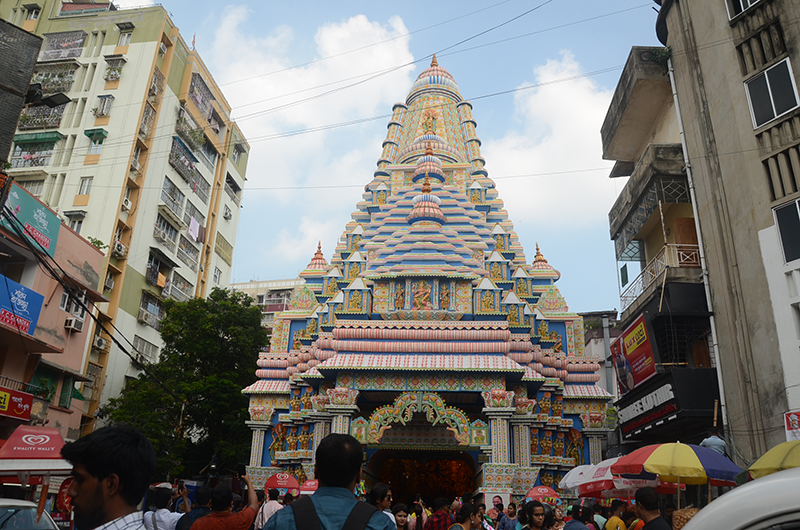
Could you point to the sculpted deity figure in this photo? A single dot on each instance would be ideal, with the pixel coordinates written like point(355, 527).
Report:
point(522, 288)
point(429, 121)
point(296, 344)
point(381, 197)
point(558, 445)
point(543, 329)
point(544, 403)
point(305, 439)
point(291, 439)
point(534, 441)
point(475, 196)
point(558, 406)
point(422, 295)
point(575, 446)
point(300, 475)
point(399, 298)
point(496, 272)
point(306, 399)
point(500, 243)
point(278, 439)
point(354, 303)
point(331, 287)
point(547, 479)
point(312, 326)
point(354, 242)
point(353, 270)
point(295, 404)
point(444, 297)
point(513, 315)
point(547, 443)
point(556, 337)
point(487, 301)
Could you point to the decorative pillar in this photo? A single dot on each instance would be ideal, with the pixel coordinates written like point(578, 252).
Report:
point(259, 429)
point(522, 440)
point(342, 407)
point(499, 408)
point(595, 449)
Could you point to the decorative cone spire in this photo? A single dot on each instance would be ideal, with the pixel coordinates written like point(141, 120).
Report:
point(318, 261)
point(542, 269)
point(426, 206)
point(434, 62)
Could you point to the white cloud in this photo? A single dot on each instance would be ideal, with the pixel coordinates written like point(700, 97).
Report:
point(557, 130)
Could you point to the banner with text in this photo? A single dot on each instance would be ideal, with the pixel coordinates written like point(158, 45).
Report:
point(40, 224)
point(19, 306)
point(633, 357)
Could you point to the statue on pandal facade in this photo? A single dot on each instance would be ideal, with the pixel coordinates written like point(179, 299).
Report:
point(558, 406)
point(296, 403)
point(499, 242)
point(547, 443)
point(444, 297)
point(575, 446)
point(547, 479)
point(291, 439)
point(304, 439)
point(544, 404)
point(422, 296)
point(513, 315)
point(312, 326)
point(354, 303)
point(522, 288)
point(331, 287)
point(306, 399)
point(496, 272)
point(534, 441)
point(558, 445)
point(429, 121)
point(487, 301)
point(399, 298)
point(278, 439)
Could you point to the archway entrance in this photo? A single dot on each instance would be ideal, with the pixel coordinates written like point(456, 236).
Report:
point(431, 474)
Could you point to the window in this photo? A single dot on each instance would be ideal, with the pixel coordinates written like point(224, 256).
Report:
point(771, 93)
point(235, 156)
point(73, 305)
point(103, 106)
point(34, 187)
point(736, 7)
point(146, 349)
point(97, 144)
point(67, 386)
point(125, 38)
point(227, 214)
point(86, 186)
point(169, 231)
point(76, 224)
point(217, 275)
point(787, 218)
point(33, 14)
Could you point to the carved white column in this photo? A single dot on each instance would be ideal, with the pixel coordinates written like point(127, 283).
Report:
point(522, 440)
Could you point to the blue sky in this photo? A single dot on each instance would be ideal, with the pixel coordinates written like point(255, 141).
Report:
point(550, 131)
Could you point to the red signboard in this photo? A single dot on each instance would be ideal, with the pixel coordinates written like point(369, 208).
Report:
point(15, 404)
point(33, 442)
point(792, 420)
point(633, 356)
point(63, 500)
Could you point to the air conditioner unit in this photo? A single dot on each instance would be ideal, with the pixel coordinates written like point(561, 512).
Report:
point(126, 205)
point(162, 48)
point(100, 343)
point(109, 285)
point(120, 250)
point(227, 216)
point(135, 165)
point(73, 324)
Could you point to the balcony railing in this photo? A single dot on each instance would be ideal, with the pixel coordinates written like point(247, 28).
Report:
point(13, 384)
point(55, 78)
point(176, 293)
point(146, 127)
point(30, 160)
point(41, 117)
point(671, 256)
point(189, 260)
point(172, 203)
point(152, 275)
point(163, 238)
point(231, 194)
point(156, 87)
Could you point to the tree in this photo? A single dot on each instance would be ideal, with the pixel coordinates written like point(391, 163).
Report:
point(192, 406)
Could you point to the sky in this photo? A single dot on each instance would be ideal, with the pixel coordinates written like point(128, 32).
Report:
point(540, 75)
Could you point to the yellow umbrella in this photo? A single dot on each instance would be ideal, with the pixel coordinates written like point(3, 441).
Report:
point(782, 456)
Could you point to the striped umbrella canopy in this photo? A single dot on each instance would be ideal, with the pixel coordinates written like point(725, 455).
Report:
point(575, 477)
point(677, 462)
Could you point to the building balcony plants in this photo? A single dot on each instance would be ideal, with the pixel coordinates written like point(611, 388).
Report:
point(41, 117)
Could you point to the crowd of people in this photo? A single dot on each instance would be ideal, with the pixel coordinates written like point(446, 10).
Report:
point(112, 468)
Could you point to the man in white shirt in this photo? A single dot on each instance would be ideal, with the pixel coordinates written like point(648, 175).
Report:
point(111, 469)
point(162, 518)
point(268, 509)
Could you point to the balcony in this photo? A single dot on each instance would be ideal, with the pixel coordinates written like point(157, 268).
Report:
point(42, 117)
point(174, 292)
point(148, 122)
point(189, 260)
point(149, 319)
point(152, 276)
point(188, 130)
point(156, 87)
point(30, 160)
point(172, 208)
point(183, 161)
point(55, 77)
point(13, 384)
point(162, 237)
point(670, 257)
point(232, 194)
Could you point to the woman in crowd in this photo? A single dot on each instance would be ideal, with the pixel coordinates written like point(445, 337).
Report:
point(400, 512)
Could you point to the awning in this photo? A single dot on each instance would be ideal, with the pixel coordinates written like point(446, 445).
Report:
point(96, 133)
point(77, 376)
point(33, 449)
point(38, 138)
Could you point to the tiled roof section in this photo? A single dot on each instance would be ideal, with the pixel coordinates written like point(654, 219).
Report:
point(446, 363)
point(267, 386)
point(532, 375)
point(585, 391)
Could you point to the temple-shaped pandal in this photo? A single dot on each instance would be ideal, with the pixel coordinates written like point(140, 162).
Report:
point(428, 336)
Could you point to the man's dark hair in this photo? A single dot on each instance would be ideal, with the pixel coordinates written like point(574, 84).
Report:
point(647, 498)
point(499, 507)
point(260, 495)
point(598, 508)
point(549, 516)
point(714, 431)
point(288, 498)
point(161, 498)
point(467, 498)
point(466, 511)
point(338, 460)
point(481, 506)
point(120, 451)
point(617, 504)
point(526, 512)
point(378, 492)
point(203, 495)
point(274, 494)
point(440, 503)
point(221, 498)
point(627, 517)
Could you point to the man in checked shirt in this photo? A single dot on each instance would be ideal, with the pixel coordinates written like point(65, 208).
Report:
point(111, 470)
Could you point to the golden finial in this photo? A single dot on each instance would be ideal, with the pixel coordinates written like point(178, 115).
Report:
point(319, 246)
point(426, 184)
point(428, 148)
point(434, 62)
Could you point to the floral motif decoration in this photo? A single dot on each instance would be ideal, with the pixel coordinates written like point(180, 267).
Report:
point(404, 407)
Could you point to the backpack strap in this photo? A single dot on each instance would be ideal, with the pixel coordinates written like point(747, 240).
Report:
point(359, 517)
point(305, 515)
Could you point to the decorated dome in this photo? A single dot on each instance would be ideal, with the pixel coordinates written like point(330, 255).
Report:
point(429, 166)
point(426, 207)
point(318, 261)
point(434, 79)
point(541, 269)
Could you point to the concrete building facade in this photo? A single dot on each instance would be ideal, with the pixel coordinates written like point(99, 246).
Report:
point(144, 158)
point(272, 296)
point(724, 97)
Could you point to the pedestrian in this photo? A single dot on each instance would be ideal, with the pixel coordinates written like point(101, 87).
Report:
point(486, 521)
point(509, 522)
point(501, 514)
point(467, 518)
point(112, 468)
point(647, 510)
point(419, 517)
point(338, 468)
point(400, 512)
point(222, 517)
point(202, 507)
point(598, 516)
point(531, 516)
point(615, 521)
point(440, 520)
point(380, 496)
point(288, 499)
point(268, 509)
point(582, 514)
point(162, 518)
point(669, 509)
point(558, 515)
point(628, 517)
point(715, 441)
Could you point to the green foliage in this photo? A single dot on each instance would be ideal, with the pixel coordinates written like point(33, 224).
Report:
point(210, 351)
point(97, 243)
point(660, 56)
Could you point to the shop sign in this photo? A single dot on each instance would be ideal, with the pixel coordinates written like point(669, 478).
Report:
point(15, 404)
point(792, 424)
point(651, 407)
point(19, 306)
point(41, 224)
point(633, 357)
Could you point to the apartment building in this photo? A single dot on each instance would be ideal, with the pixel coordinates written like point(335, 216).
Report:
point(272, 296)
point(718, 111)
point(144, 158)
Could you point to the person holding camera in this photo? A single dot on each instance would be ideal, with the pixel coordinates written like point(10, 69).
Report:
point(162, 518)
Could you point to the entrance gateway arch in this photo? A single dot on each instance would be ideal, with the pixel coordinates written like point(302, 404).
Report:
point(429, 335)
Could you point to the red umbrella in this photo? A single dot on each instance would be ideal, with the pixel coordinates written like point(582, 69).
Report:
point(309, 486)
point(281, 480)
point(543, 494)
